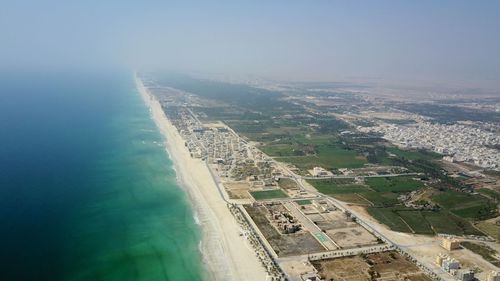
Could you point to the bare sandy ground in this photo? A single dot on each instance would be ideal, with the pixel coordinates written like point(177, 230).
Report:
point(226, 254)
point(426, 248)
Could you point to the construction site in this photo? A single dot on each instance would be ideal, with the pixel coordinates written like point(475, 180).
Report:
point(378, 266)
point(309, 228)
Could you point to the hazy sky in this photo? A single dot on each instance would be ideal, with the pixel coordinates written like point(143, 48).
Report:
point(441, 41)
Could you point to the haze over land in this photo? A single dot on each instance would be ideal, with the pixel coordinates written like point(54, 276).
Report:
point(257, 140)
point(452, 43)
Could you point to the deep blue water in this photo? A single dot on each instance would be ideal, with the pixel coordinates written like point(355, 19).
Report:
point(87, 191)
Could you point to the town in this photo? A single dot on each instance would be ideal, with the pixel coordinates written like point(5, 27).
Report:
point(458, 142)
point(300, 232)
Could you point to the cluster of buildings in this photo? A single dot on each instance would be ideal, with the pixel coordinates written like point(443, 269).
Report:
point(459, 142)
point(412, 200)
point(284, 222)
point(213, 142)
point(453, 267)
point(320, 172)
point(229, 155)
point(493, 276)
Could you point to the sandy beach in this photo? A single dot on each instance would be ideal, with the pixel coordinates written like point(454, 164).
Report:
point(226, 254)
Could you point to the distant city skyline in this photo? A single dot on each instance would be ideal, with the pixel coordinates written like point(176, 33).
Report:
point(445, 42)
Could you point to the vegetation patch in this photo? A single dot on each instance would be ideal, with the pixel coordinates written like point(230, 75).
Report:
point(304, 202)
point(282, 150)
point(327, 156)
point(287, 184)
point(489, 228)
point(416, 221)
point(331, 187)
point(389, 217)
point(414, 154)
point(466, 205)
point(352, 198)
point(444, 222)
point(394, 184)
point(268, 194)
point(490, 193)
point(483, 250)
point(381, 199)
point(422, 222)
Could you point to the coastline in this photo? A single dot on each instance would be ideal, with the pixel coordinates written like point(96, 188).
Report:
point(226, 254)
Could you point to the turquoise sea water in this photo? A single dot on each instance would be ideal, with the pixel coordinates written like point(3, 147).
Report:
point(87, 191)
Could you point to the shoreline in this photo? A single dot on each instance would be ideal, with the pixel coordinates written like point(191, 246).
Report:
point(226, 255)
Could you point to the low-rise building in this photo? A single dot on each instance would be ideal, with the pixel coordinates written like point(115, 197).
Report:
point(493, 276)
point(320, 172)
point(465, 275)
point(449, 264)
point(440, 258)
point(450, 244)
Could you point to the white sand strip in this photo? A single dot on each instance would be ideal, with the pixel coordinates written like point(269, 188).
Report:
point(226, 254)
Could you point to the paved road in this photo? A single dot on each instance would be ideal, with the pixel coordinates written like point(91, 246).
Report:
point(342, 206)
point(352, 177)
point(338, 253)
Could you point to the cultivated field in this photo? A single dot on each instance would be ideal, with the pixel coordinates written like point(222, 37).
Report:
point(268, 194)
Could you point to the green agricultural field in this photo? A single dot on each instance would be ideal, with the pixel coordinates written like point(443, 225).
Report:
point(303, 202)
point(477, 212)
point(328, 157)
point(352, 198)
point(332, 181)
point(394, 184)
point(414, 154)
point(489, 228)
point(268, 194)
point(466, 205)
point(454, 199)
point(416, 221)
point(347, 188)
point(422, 222)
point(329, 187)
point(389, 217)
point(381, 199)
point(444, 222)
point(280, 150)
point(490, 193)
point(290, 142)
point(336, 157)
point(314, 139)
point(484, 251)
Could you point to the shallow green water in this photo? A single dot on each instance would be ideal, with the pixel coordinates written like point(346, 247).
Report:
point(87, 190)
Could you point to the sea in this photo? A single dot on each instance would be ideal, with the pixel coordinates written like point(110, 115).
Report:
point(87, 191)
